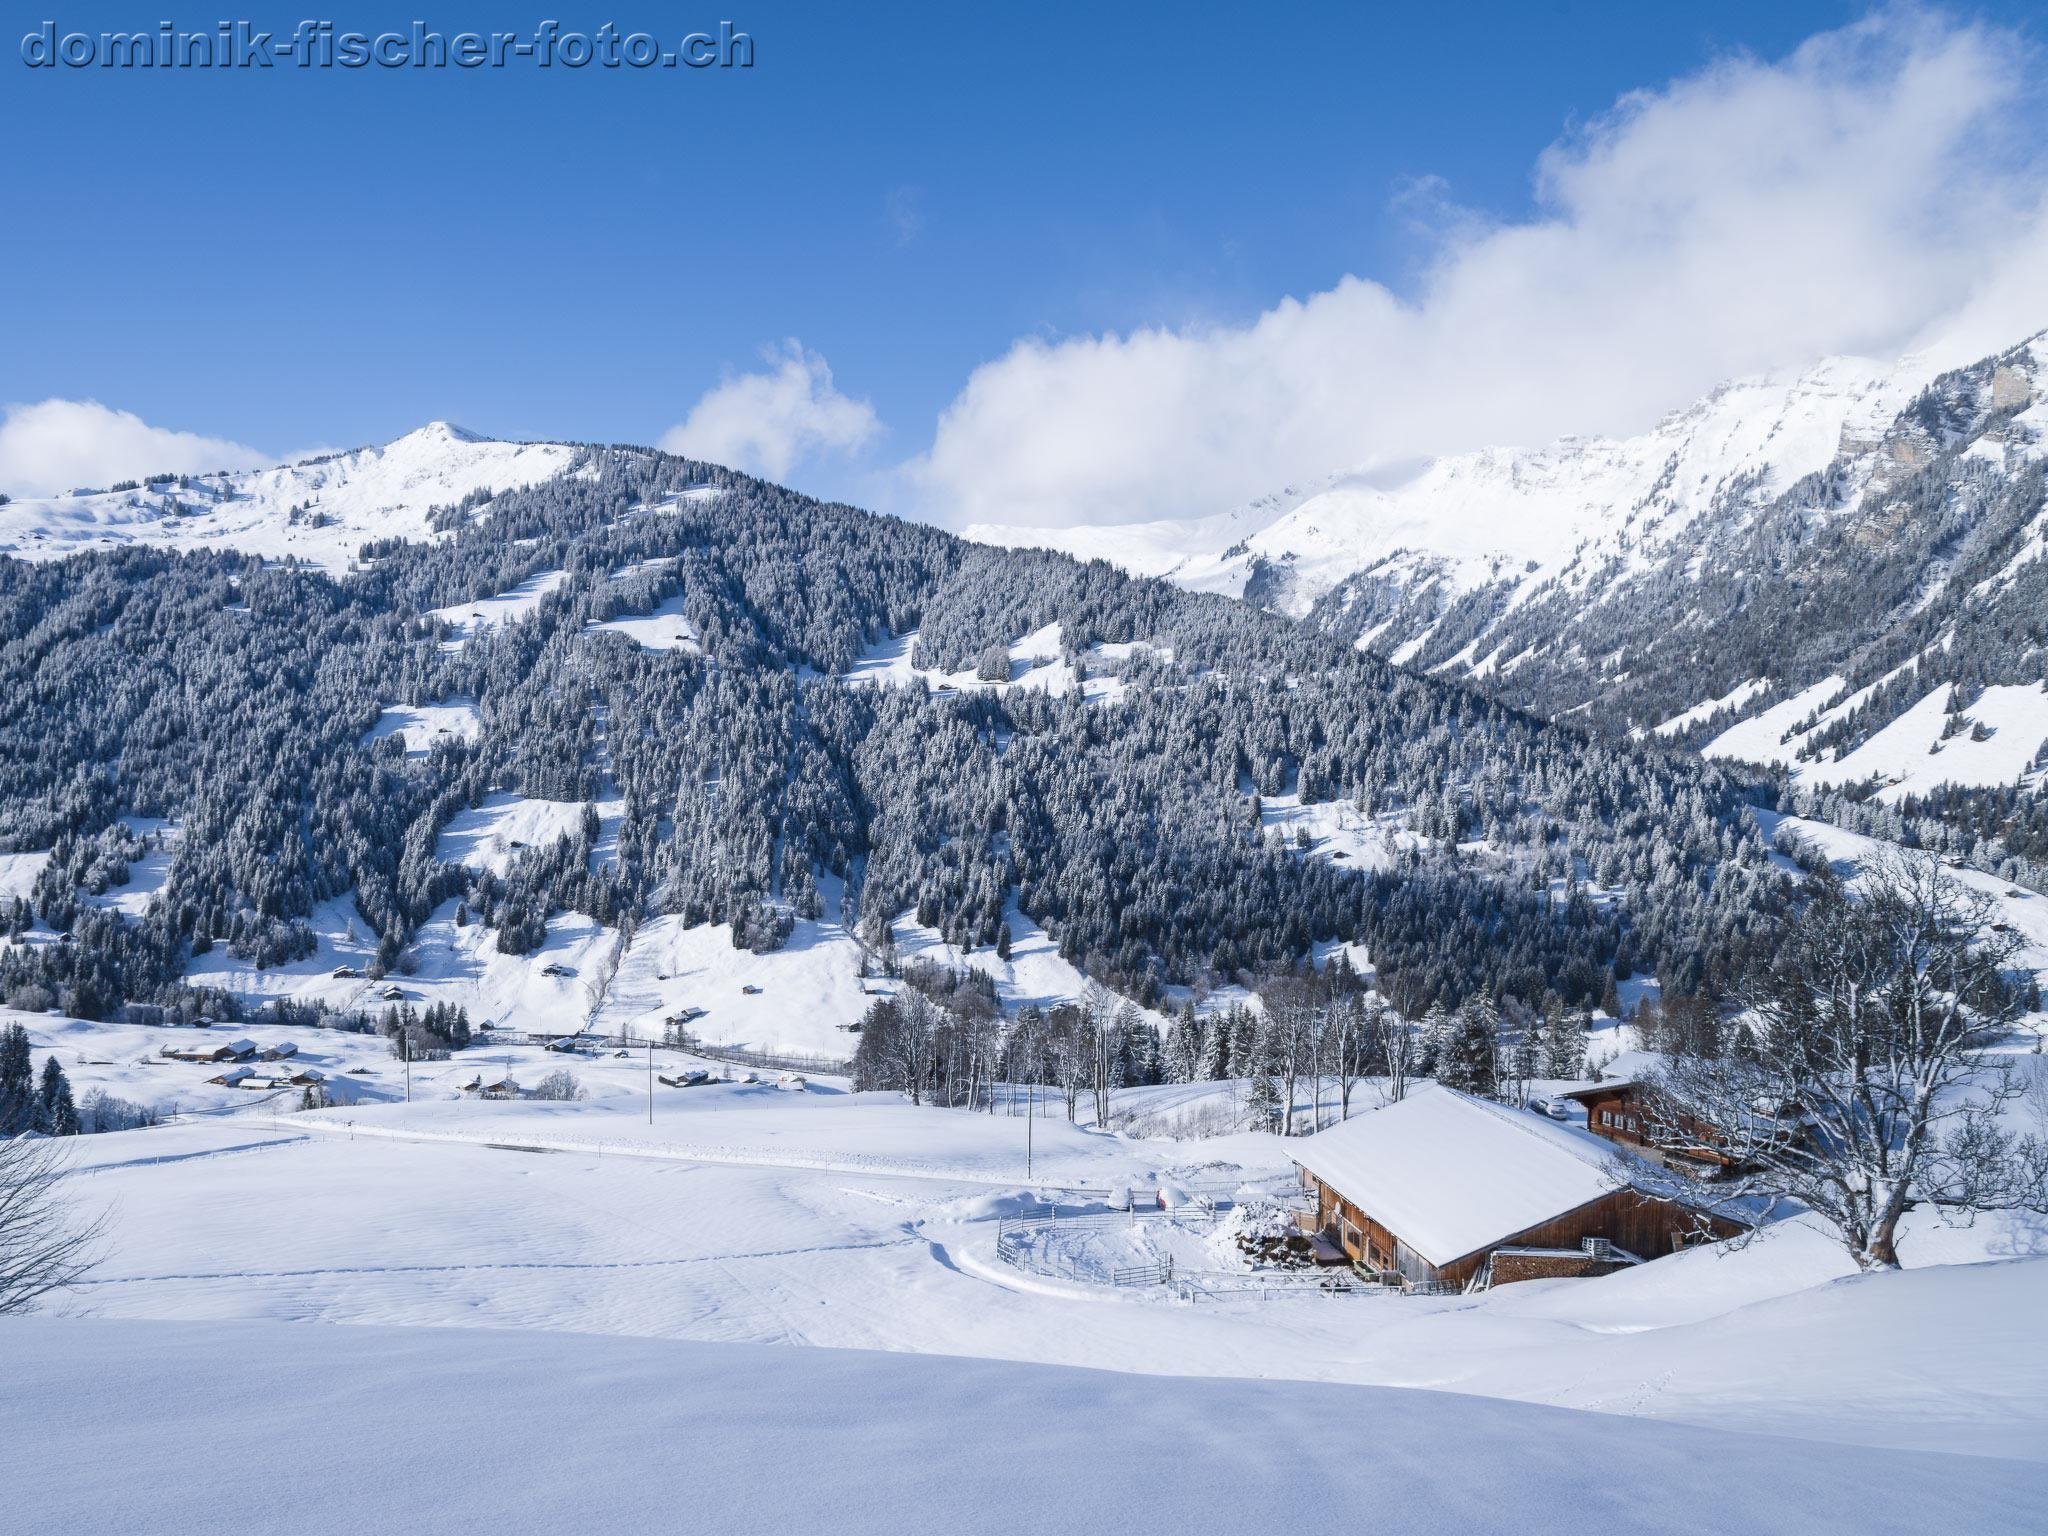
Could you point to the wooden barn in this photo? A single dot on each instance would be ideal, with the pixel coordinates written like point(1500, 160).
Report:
point(1625, 1112)
point(1442, 1188)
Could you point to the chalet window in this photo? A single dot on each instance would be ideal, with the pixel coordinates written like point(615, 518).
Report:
point(1631, 1122)
point(1607, 1117)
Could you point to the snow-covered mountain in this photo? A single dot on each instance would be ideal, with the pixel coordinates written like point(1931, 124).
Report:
point(321, 510)
point(1837, 569)
point(1524, 515)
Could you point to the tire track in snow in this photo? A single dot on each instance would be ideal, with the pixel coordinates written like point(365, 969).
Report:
point(509, 1265)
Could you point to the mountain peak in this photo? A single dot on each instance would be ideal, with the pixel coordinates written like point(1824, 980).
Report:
point(439, 432)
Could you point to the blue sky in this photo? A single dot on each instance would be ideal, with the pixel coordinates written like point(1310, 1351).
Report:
point(303, 259)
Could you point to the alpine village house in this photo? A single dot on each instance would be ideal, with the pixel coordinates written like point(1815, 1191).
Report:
point(1442, 1190)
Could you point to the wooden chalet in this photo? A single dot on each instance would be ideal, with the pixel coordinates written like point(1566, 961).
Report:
point(1442, 1189)
point(1626, 1111)
point(236, 1050)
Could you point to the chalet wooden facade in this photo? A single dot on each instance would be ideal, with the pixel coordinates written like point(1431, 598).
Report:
point(1441, 1188)
point(1641, 1226)
point(1624, 1112)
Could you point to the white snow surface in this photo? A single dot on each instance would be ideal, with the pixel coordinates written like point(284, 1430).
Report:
point(1761, 738)
point(2024, 911)
point(420, 726)
point(1736, 697)
point(662, 629)
point(1449, 1174)
point(487, 613)
point(747, 1214)
point(561, 1432)
point(370, 493)
point(491, 835)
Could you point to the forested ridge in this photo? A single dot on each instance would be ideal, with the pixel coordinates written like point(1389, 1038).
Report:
point(234, 698)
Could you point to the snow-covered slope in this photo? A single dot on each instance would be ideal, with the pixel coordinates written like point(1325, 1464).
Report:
point(1839, 570)
point(319, 510)
point(1514, 514)
point(764, 1440)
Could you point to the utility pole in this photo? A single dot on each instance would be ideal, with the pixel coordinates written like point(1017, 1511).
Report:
point(1032, 1089)
point(405, 1041)
point(650, 1082)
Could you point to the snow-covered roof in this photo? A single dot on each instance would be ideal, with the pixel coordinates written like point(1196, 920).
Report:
point(1449, 1174)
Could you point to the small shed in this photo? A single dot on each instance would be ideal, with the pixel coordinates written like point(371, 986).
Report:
point(1428, 1190)
point(234, 1077)
point(280, 1051)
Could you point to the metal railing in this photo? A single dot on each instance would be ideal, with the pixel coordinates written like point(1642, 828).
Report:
point(1264, 1284)
point(768, 1061)
point(1014, 1245)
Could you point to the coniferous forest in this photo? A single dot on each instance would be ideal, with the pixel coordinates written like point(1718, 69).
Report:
point(1535, 861)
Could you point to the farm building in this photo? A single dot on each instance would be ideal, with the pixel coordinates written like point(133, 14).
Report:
point(1627, 1112)
point(280, 1051)
point(1442, 1189)
point(234, 1077)
point(234, 1050)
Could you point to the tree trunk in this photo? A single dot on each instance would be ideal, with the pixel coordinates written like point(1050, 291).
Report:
point(1882, 1250)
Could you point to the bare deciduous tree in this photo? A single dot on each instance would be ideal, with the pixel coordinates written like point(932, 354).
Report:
point(43, 1245)
point(1397, 1048)
point(1866, 1074)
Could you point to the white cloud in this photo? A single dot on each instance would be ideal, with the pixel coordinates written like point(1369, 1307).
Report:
point(55, 445)
point(904, 207)
point(767, 422)
point(1874, 192)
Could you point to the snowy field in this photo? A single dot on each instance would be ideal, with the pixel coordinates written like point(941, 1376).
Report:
point(750, 1214)
point(421, 726)
point(2024, 911)
point(502, 1265)
point(487, 613)
point(553, 1432)
point(1037, 660)
point(1911, 755)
